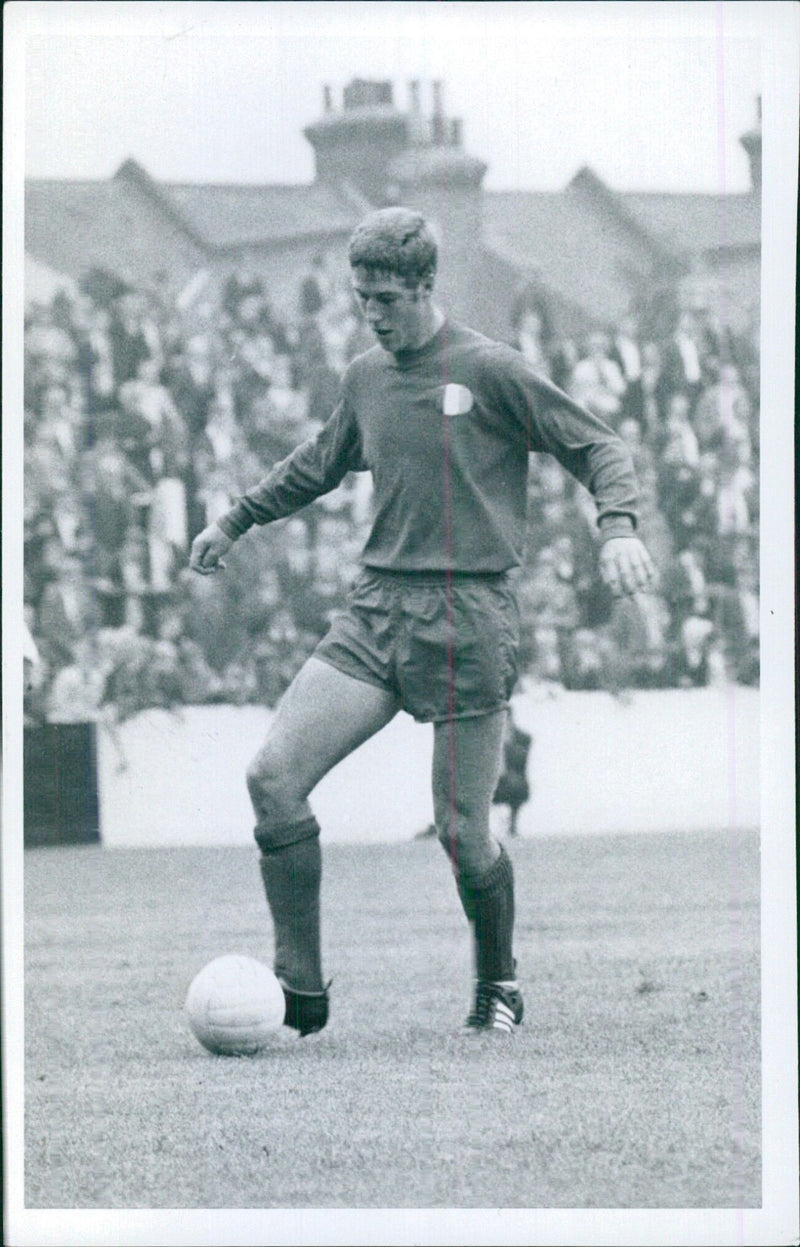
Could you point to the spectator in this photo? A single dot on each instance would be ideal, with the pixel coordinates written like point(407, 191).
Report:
point(241, 285)
point(553, 605)
point(340, 320)
point(95, 361)
point(686, 590)
point(678, 473)
point(597, 382)
point(239, 682)
point(696, 642)
point(190, 379)
point(129, 687)
point(253, 315)
point(132, 343)
point(583, 666)
point(50, 459)
point(223, 461)
point(68, 612)
point(723, 411)
point(653, 526)
point(255, 357)
point(681, 445)
point(532, 331)
point(50, 353)
point(737, 483)
point(77, 692)
point(315, 287)
point(626, 354)
point(651, 373)
point(681, 370)
point(109, 484)
point(199, 684)
point(145, 397)
point(738, 619)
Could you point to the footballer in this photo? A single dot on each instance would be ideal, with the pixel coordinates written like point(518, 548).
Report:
point(444, 419)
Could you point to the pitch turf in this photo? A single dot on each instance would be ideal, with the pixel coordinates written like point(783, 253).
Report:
point(634, 1081)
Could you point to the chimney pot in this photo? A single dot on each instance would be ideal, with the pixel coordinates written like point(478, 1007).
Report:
point(366, 93)
point(438, 103)
point(327, 99)
point(413, 92)
point(438, 115)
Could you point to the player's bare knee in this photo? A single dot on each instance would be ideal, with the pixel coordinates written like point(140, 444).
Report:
point(269, 780)
point(450, 833)
point(470, 847)
point(454, 850)
point(453, 813)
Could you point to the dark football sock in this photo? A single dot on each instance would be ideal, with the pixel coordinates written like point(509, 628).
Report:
point(489, 905)
point(292, 875)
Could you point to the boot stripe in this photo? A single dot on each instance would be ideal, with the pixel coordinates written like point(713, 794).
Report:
point(503, 1017)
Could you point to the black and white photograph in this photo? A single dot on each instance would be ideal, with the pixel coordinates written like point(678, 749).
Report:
point(398, 618)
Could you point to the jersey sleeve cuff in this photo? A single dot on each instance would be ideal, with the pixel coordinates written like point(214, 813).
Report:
point(616, 526)
point(235, 523)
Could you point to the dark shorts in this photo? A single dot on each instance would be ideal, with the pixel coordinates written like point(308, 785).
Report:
point(445, 647)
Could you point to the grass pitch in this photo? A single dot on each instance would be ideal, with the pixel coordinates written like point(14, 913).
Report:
point(634, 1081)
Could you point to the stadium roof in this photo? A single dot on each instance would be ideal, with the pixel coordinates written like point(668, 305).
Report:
point(143, 225)
point(73, 226)
point(231, 216)
point(552, 235)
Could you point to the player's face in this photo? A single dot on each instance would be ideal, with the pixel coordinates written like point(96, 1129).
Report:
point(399, 316)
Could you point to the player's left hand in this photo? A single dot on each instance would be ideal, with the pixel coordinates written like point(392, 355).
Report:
point(208, 548)
point(626, 567)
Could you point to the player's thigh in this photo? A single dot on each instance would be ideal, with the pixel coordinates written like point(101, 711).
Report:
point(322, 717)
point(467, 757)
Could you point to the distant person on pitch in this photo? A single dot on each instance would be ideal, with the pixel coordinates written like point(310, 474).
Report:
point(444, 419)
point(513, 788)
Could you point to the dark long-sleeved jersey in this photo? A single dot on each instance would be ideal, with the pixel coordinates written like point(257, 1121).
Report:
point(446, 431)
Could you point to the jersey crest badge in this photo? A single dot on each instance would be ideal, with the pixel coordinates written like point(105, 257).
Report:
point(457, 400)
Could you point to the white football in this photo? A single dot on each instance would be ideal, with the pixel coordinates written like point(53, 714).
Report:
point(234, 1005)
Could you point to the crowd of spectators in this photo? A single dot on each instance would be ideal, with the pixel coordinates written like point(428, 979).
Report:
point(687, 404)
point(147, 413)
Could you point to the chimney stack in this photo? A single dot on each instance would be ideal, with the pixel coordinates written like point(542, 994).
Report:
point(358, 136)
point(751, 142)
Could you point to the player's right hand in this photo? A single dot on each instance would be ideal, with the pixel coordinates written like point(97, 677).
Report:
point(208, 548)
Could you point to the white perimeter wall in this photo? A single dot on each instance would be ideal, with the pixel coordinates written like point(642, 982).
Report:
point(663, 761)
